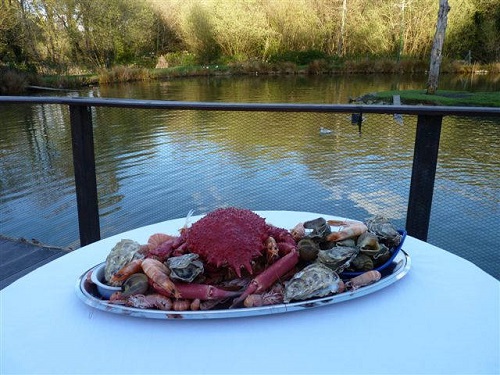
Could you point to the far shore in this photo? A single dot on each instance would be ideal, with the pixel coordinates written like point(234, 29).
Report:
point(19, 83)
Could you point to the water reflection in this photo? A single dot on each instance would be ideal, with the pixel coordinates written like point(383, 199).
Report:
point(156, 165)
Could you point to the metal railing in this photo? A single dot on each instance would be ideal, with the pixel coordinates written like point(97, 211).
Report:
point(425, 158)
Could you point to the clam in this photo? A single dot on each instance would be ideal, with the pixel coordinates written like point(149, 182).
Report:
point(315, 280)
point(185, 267)
point(122, 253)
point(135, 284)
point(338, 257)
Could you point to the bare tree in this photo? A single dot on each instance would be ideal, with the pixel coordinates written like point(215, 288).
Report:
point(437, 46)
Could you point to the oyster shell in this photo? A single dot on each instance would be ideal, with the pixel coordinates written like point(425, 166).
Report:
point(122, 253)
point(315, 280)
point(338, 257)
point(185, 267)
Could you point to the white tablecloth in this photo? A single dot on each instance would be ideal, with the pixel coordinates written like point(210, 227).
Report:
point(442, 317)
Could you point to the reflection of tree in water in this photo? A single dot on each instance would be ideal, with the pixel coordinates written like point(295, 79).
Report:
point(42, 160)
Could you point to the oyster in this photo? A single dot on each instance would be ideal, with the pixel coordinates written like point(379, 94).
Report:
point(122, 253)
point(338, 257)
point(185, 267)
point(315, 280)
point(384, 230)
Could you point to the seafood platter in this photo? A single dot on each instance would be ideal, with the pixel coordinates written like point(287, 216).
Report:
point(232, 263)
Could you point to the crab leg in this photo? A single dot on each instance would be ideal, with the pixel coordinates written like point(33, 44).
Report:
point(267, 278)
point(204, 292)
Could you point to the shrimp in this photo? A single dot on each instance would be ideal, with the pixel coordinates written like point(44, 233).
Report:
point(348, 229)
point(158, 273)
point(127, 270)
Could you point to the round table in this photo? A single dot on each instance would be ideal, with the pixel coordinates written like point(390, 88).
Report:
point(442, 317)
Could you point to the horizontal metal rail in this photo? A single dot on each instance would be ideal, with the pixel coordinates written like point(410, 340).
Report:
point(424, 160)
point(257, 107)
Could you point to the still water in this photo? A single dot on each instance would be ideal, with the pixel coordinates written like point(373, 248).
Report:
point(157, 165)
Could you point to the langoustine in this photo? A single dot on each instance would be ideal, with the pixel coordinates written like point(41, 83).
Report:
point(364, 279)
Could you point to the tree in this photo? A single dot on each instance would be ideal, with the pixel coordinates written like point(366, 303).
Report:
point(437, 46)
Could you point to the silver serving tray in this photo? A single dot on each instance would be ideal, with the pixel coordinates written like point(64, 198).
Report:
point(87, 292)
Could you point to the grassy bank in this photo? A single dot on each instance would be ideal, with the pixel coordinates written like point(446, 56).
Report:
point(441, 97)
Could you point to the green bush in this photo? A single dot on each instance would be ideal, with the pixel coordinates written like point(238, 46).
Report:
point(12, 82)
point(298, 57)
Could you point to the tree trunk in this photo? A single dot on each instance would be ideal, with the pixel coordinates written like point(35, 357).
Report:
point(437, 46)
point(340, 47)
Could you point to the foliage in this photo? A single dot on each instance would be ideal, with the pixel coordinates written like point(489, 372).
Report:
point(64, 34)
point(299, 57)
point(79, 36)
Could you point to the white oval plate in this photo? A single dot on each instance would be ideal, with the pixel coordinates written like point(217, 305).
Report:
point(88, 294)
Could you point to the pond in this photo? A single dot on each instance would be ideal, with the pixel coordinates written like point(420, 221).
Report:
point(157, 165)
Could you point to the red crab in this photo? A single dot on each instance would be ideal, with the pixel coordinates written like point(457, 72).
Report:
point(237, 239)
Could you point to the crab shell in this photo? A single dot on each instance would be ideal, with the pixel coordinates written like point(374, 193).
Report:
point(229, 237)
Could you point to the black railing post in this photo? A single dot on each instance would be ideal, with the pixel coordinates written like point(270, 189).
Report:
point(85, 175)
point(423, 175)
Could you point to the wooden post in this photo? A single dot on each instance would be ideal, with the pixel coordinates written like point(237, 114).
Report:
point(423, 175)
point(437, 47)
point(85, 175)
